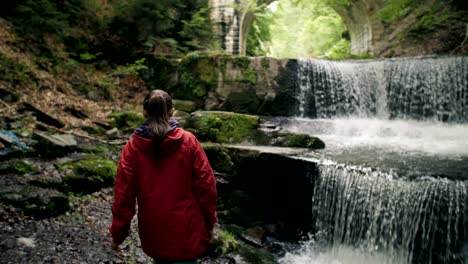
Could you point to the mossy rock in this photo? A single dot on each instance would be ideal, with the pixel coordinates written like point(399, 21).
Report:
point(35, 201)
point(196, 75)
point(245, 101)
point(252, 254)
point(297, 141)
point(161, 72)
point(224, 241)
point(223, 127)
point(185, 105)
point(100, 150)
point(20, 167)
point(94, 130)
point(246, 73)
point(88, 175)
point(219, 158)
point(126, 121)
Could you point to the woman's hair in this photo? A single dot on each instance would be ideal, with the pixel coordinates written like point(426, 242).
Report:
point(158, 105)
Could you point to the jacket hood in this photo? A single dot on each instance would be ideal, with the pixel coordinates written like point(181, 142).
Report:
point(143, 139)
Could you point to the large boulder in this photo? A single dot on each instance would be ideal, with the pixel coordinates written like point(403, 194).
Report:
point(222, 127)
point(54, 145)
point(35, 201)
point(87, 175)
point(126, 121)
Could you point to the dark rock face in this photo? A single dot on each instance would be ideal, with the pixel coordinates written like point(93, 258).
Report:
point(53, 145)
point(269, 190)
point(43, 116)
point(35, 201)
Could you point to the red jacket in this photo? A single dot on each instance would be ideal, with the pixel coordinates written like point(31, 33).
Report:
point(176, 193)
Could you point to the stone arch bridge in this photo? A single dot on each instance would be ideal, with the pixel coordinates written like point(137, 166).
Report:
point(232, 20)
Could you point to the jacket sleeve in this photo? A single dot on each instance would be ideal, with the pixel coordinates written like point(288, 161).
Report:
point(123, 208)
point(204, 186)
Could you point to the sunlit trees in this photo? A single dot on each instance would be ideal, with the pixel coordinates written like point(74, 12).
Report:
point(299, 29)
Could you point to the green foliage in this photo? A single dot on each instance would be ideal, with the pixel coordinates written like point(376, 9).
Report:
point(304, 29)
point(249, 75)
point(88, 56)
point(158, 25)
point(197, 74)
point(131, 69)
point(39, 17)
point(259, 35)
point(337, 4)
point(126, 121)
point(198, 30)
point(341, 50)
point(225, 241)
point(13, 71)
point(432, 21)
point(396, 8)
point(227, 127)
point(92, 29)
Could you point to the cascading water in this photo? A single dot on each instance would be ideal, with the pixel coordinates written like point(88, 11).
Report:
point(418, 88)
point(369, 217)
point(397, 132)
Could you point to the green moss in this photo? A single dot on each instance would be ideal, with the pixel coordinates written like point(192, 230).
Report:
point(249, 75)
point(265, 63)
point(219, 158)
point(20, 168)
point(160, 73)
point(206, 71)
point(88, 174)
point(227, 127)
point(225, 241)
point(183, 105)
point(126, 121)
point(304, 141)
point(94, 149)
point(197, 73)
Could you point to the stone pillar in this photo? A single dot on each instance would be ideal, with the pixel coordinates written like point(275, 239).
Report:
point(225, 20)
point(231, 21)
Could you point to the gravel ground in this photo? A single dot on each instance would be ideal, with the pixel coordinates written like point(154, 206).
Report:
point(77, 237)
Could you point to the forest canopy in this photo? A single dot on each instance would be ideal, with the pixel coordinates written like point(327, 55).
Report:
point(107, 28)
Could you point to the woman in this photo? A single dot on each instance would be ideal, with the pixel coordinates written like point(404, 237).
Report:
point(166, 170)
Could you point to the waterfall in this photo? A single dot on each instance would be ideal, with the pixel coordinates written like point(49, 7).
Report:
point(426, 88)
point(397, 132)
point(367, 216)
